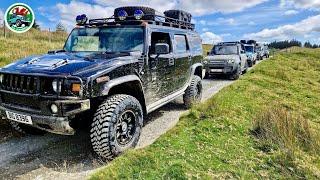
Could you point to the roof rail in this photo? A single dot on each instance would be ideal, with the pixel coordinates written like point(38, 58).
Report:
point(157, 20)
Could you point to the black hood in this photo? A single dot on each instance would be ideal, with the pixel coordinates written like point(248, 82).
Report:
point(64, 64)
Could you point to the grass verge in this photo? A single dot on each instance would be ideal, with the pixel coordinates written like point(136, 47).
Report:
point(266, 125)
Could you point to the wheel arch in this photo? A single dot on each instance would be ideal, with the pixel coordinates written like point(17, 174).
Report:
point(197, 69)
point(129, 85)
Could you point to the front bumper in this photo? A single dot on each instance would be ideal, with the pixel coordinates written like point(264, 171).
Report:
point(56, 123)
point(219, 69)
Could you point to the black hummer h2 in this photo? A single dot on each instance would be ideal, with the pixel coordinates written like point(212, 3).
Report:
point(111, 72)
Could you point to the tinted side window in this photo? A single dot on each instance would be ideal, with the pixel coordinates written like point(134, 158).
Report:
point(181, 45)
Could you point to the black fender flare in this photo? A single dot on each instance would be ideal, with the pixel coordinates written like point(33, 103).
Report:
point(118, 81)
point(193, 70)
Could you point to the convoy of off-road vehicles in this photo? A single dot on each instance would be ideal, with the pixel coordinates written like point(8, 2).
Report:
point(114, 71)
point(234, 58)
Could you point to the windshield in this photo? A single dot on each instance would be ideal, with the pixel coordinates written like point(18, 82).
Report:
point(105, 39)
point(259, 48)
point(249, 49)
point(225, 50)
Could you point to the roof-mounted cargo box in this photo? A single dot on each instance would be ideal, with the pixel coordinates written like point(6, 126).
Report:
point(179, 15)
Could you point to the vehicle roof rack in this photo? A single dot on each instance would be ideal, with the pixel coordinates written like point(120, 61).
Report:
point(233, 42)
point(157, 20)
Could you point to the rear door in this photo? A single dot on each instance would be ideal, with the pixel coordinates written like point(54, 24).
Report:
point(183, 60)
point(243, 56)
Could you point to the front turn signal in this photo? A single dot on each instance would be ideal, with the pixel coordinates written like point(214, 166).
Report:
point(75, 87)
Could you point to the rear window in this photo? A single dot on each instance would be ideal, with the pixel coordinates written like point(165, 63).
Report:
point(196, 44)
point(181, 45)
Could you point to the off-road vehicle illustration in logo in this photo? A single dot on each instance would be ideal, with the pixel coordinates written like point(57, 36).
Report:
point(19, 18)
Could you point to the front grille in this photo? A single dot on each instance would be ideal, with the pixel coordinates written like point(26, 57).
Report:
point(19, 83)
point(217, 62)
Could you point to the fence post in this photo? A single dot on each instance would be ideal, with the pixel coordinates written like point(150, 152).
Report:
point(4, 29)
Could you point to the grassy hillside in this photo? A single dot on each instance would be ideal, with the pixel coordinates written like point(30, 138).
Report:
point(266, 125)
point(16, 46)
point(206, 48)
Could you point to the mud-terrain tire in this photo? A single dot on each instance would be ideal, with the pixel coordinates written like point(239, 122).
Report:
point(193, 93)
point(116, 126)
point(236, 74)
point(25, 129)
point(246, 68)
point(206, 76)
point(18, 23)
point(250, 64)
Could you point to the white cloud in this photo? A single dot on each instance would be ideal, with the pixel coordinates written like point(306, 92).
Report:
point(291, 12)
point(1, 16)
point(205, 29)
point(210, 38)
point(203, 22)
point(68, 12)
point(204, 7)
point(290, 31)
point(251, 23)
point(226, 35)
point(159, 5)
point(196, 7)
point(301, 4)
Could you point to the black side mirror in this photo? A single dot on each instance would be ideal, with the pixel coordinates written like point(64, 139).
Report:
point(242, 52)
point(162, 48)
point(208, 53)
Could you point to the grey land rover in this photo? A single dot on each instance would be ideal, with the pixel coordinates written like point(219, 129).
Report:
point(227, 58)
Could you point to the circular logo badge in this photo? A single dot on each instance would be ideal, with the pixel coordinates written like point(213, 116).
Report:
point(19, 18)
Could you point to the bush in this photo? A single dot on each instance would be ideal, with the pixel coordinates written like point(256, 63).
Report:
point(277, 127)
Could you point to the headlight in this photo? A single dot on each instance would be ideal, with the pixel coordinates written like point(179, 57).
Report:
point(205, 62)
point(55, 86)
point(1, 78)
point(230, 61)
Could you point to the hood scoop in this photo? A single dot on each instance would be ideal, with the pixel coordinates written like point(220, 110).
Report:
point(47, 63)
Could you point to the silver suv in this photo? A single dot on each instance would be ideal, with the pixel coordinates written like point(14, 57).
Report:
point(227, 58)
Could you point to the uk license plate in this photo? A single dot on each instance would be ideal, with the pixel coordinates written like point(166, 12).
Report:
point(216, 70)
point(19, 117)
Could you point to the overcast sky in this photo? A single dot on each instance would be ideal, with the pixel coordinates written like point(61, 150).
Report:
point(216, 20)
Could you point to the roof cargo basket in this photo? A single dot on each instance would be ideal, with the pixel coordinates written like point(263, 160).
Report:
point(136, 15)
point(179, 15)
point(249, 42)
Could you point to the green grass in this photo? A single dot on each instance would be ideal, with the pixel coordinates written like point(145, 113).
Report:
point(16, 46)
point(206, 48)
point(221, 138)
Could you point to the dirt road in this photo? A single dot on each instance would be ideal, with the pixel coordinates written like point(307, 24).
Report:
point(70, 157)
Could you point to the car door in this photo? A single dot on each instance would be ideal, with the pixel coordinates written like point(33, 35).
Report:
point(160, 68)
point(243, 56)
point(183, 60)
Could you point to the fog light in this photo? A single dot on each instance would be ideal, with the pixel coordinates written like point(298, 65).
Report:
point(54, 108)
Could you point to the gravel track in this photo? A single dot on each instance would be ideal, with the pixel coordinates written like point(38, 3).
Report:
point(70, 157)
